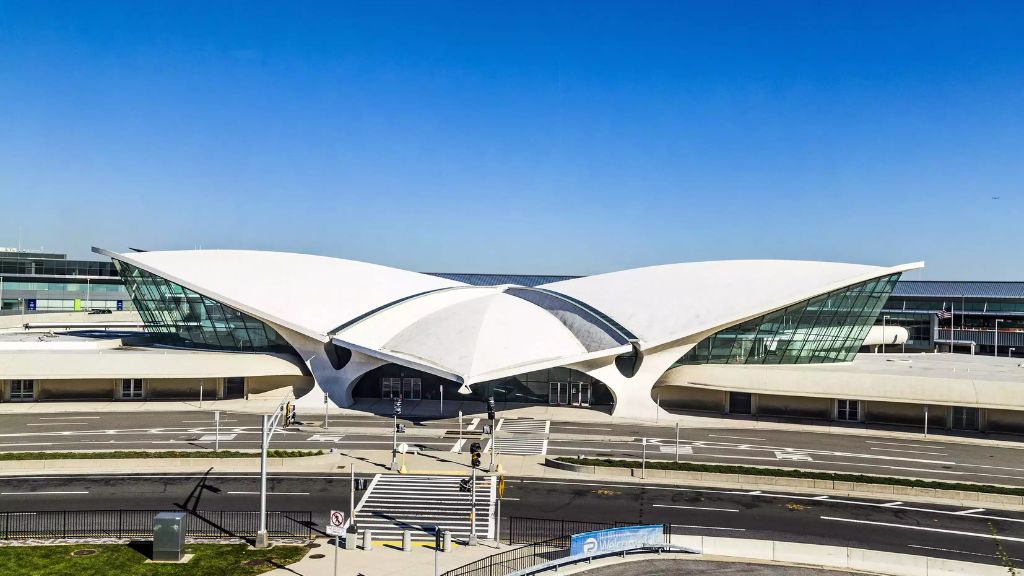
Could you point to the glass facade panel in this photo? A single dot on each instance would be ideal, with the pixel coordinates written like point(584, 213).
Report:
point(178, 316)
point(823, 329)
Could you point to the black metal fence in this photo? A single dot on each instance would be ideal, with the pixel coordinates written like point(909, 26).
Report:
point(529, 530)
point(127, 524)
point(516, 559)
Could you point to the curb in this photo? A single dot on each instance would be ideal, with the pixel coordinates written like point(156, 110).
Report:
point(960, 497)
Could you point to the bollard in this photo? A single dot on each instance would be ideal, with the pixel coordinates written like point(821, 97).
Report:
point(406, 541)
point(367, 539)
point(350, 539)
point(447, 541)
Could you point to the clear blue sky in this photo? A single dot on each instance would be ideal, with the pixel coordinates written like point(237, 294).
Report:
point(546, 137)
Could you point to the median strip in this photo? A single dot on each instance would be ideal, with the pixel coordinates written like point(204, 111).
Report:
point(125, 454)
point(794, 473)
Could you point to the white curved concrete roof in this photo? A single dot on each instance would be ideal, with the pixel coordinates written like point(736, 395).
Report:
point(312, 295)
point(476, 334)
point(660, 304)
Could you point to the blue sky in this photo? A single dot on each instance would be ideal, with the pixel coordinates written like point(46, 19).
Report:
point(544, 137)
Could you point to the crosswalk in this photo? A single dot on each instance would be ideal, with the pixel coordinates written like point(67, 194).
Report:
point(687, 450)
point(397, 502)
point(520, 437)
point(781, 455)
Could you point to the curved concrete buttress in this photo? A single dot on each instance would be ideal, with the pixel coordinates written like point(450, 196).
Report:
point(337, 384)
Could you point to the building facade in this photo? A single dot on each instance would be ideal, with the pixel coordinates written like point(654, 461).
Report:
point(32, 282)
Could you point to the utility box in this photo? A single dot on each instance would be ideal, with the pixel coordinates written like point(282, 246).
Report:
point(169, 537)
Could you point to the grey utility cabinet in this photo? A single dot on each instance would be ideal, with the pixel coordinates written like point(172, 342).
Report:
point(169, 536)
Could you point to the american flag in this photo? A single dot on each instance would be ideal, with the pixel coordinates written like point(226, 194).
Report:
point(944, 315)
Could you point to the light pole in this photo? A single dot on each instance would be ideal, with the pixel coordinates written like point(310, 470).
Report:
point(269, 425)
point(325, 410)
point(1, 294)
point(884, 318)
point(995, 337)
point(397, 401)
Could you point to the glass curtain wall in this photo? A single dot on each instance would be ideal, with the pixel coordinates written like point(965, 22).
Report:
point(178, 316)
point(827, 328)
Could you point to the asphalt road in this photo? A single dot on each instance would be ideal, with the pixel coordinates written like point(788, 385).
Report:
point(932, 458)
point(923, 529)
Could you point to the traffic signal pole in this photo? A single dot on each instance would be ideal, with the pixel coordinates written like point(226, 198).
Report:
point(472, 510)
point(270, 422)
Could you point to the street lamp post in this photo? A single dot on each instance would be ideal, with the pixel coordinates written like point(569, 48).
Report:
point(995, 337)
point(270, 422)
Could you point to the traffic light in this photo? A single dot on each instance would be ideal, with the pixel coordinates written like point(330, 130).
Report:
point(398, 405)
point(465, 485)
point(400, 428)
point(490, 408)
point(475, 451)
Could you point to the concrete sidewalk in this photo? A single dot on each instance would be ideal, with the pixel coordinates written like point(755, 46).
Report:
point(385, 560)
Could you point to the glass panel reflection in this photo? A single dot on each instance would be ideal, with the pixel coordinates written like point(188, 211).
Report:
point(178, 316)
point(827, 328)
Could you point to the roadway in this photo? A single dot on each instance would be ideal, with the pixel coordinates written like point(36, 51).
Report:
point(935, 458)
point(922, 529)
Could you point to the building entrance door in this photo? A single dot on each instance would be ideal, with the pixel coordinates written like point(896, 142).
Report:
point(558, 393)
point(579, 393)
point(740, 403)
point(412, 389)
point(234, 388)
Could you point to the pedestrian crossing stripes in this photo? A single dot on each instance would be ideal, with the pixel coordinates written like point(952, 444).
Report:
point(520, 437)
point(397, 502)
point(687, 450)
point(793, 456)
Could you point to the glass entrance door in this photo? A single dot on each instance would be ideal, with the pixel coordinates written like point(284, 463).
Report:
point(579, 393)
point(558, 393)
point(412, 388)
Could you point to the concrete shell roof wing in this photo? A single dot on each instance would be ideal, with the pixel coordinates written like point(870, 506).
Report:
point(312, 295)
point(661, 304)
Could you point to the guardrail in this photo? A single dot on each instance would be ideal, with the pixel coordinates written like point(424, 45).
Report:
point(138, 524)
point(553, 552)
point(523, 530)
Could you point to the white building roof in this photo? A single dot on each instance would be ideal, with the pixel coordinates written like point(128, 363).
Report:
point(660, 304)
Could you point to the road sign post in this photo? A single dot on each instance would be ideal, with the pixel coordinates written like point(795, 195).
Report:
point(677, 441)
point(497, 519)
point(403, 448)
point(472, 509)
point(325, 411)
point(643, 461)
point(336, 527)
point(460, 424)
point(216, 440)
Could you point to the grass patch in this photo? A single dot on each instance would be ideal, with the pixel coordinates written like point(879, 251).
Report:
point(119, 454)
point(129, 560)
point(789, 473)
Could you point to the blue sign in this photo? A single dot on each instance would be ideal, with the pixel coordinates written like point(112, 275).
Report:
point(30, 304)
point(120, 305)
point(616, 540)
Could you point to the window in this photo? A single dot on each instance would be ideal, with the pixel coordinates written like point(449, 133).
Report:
point(131, 388)
point(741, 403)
point(848, 410)
point(827, 328)
point(23, 390)
point(390, 387)
point(965, 418)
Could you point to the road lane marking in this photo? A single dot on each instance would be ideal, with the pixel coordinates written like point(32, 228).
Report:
point(891, 504)
point(559, 426)
point(472, 424)
point(204, 421)
point(274, 493)
point(821, 498)
point(736, 437)
point(901, 444)
point(910, 451)
point(458, 445)
point(695, 508)
point(69, 418)
point(709, 527)
point(41, 493)
point(958, 551)
point(971, 511)
point(61, 424)
point(925, 528)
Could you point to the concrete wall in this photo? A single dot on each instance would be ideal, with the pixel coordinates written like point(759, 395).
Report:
point(689, 398)
point(186, 388)
point(1005, 421)
point(94, 389)
point(300, 385)
point(899, 413)
point(793, 406)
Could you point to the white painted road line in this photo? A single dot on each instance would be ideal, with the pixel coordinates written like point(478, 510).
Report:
point(472, 424)
point(971, 511)
point(900, 444)
point(458, 445)
point(911, 451)
point(959, 552)
point(890, 504)
point(61, 424)
point(41, 493)
point(275, 493)
point(69, 418)
point(582, 428)
point(735, 437)
point(212, 437)
point(204, 421)
point(709, 527)
point(696, 508)
point(925, 528)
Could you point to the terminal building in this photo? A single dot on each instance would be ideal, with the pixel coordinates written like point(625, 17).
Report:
point(769, 339)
